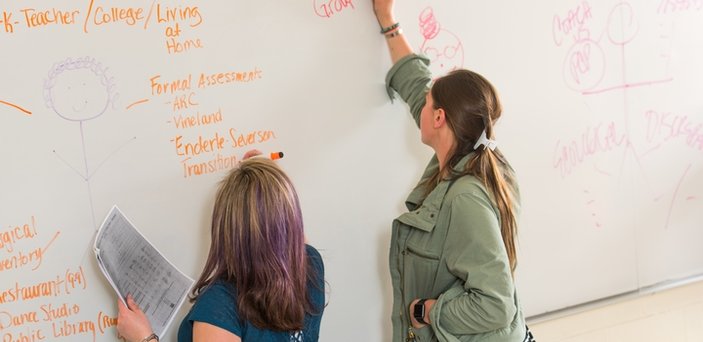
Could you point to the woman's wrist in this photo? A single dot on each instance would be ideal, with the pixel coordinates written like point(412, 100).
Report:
point(385, 20)
point(151, 338)
point(428, 307)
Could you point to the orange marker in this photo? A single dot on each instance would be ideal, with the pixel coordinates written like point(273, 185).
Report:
point(276, 155)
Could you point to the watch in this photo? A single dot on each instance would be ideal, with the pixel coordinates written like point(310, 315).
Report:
point(419, 311)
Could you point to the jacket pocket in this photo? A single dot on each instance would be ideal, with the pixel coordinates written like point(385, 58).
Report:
point(423, 218)
point(420, 272)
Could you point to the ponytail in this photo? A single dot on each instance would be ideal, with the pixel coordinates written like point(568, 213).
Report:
point(486, 166)
point(472, 107)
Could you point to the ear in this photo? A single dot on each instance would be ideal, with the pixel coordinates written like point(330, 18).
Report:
point(439, 118)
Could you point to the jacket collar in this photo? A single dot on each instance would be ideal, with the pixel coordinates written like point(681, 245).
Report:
point(434, 198)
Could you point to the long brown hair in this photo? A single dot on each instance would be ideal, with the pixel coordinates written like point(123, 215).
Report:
point(471, 105)
point(258, 245)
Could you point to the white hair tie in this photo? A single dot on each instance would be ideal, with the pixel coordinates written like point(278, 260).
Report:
point(487, 143)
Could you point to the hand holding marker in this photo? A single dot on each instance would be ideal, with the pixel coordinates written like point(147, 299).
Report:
point(256, 153)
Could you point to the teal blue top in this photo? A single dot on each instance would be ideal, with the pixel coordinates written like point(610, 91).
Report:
point(217, 305)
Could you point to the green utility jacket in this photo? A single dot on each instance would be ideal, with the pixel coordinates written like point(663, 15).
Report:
point(448, 246)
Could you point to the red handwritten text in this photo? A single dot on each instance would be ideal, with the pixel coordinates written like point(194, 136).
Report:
point(662, 127)
point(669, 6)
point(584, 67)
point(602, 138)
point(573, 24)
point(329, 8)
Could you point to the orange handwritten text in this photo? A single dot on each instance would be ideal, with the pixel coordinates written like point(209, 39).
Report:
point(105, 321)
point(222, 78)
point(10, 236)
point(29, 335)
point(244, 139)
point(183, 101)
point(65, 328)
point(64, 310)
point(63, 323)
point(8, 320)
point(178, 14)
point(54, 287)
point(100, 15)
point(189, 121)
point(216, 143)
point(50, 288)
point(75, 280)
point(217, 163)
point(21, 258)
point(173, 17)
point(159, 87)
point(178, 46)
point(7, 22)
point(35, 18)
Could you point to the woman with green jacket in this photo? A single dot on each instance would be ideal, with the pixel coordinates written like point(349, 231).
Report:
point(453, 255)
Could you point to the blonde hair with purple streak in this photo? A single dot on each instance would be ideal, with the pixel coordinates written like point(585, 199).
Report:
point(258, 245)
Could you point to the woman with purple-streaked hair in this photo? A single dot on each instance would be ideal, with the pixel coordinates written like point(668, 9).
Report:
point(261, 281)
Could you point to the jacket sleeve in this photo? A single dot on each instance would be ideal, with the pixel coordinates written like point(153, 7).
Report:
point(482, 300)
point(410, 78)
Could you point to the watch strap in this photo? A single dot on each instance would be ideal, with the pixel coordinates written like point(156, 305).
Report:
point(420, 318)
point(151, 337)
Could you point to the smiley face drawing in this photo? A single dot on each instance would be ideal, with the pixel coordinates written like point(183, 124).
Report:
point(79, 89)
point(442, 47)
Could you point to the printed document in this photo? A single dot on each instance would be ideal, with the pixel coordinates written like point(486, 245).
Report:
point(133, 266)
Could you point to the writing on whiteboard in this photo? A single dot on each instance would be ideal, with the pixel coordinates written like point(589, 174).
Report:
point(328, 8)
point(584, 65)
point(203, 153)
point(178, 22)
point(47, 310)
point(662, 127)
point(14, 240)
point(670, 6)
point(602, 138)
point(589, 57)
point(442, 47)
point(572, 24)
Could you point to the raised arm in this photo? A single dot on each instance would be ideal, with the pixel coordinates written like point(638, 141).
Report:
point(397, 44)
point(409, 76)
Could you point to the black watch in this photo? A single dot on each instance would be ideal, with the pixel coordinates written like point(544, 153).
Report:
point(419, 311)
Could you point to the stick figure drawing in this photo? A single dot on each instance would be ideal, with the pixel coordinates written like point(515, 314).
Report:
point(79, 90)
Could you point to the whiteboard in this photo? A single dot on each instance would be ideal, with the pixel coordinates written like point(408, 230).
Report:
point(146, 104)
